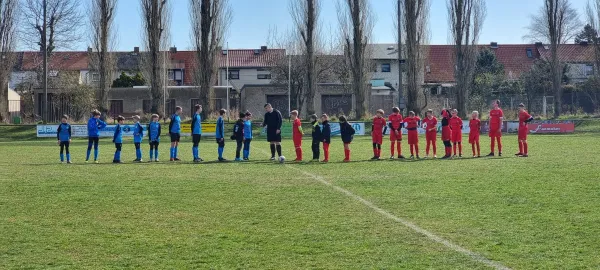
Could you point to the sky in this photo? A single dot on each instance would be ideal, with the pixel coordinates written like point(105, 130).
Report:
point(253, 19)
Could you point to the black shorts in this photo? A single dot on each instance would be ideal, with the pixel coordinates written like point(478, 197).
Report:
point(154, 143)
point(221, 142)
point(118, 146)
point(175, 137)
point(272, 136)
point(196, 138)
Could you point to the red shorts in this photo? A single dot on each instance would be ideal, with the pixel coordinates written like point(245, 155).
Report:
point(297, 142)
point(394, 137)
point(413, 137)
point(457, 136)
point(473, 137)
point(495, 132)
point(377, 138)
point(431, 136)
point(523, 131)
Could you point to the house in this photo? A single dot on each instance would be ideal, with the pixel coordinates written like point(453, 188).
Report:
point(580, 59)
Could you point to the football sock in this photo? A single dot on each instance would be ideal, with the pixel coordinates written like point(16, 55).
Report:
point(454, 148)
point(151, 153)
point(417, 149)
point(68, 157)
point(347, 154)
point(460, 148)
point(499, 144)
point(220, 150)
point(172, 152)
point(524, 149)
point(96, 153)
point(392, 147)
point(326, 150)
point(434, 148)
point(156, 153)
point(399, 147)
point(195, 152)
point(62, 157)
point(278, 147)
point(427, 147)
point(412, 151)
point(478, 148)
point(473, 148)
point(521, 147)
point(272, 150)
point(175, 152)
point(493, 144)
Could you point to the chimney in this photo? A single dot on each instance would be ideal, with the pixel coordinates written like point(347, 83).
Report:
point(136, 49)
point(263, 48)
point(494, 45)
point(89, 50)
point(583, 43)
point(539, 44)
point(173, 49)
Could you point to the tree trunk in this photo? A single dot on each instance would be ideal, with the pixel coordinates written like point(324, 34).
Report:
point(310, 57)
point(4, 111)
point(556, 80)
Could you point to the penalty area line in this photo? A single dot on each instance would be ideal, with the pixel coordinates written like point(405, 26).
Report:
point(433, 237)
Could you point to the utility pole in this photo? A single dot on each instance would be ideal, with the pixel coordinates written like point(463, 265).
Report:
point(45, 69)
point(400, 86)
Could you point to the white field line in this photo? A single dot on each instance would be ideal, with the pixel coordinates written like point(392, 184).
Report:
point(475, 256)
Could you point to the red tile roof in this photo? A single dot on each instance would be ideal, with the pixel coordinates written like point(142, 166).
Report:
point(249, 58)
point(571, 53)
point(185, 60)
point(72, 61)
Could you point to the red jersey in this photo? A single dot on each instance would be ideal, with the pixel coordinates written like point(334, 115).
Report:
point(495, 118)
point(524, 116)
point(378, 125)
point(296, 126)
point(474, 126)
point(412, 123)
point(431, 124)
point(396, 121)
point(456, 123)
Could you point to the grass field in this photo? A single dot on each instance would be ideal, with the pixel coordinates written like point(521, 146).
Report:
point(534, 213)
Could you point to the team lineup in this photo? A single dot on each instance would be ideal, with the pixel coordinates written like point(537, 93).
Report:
point(451, 134)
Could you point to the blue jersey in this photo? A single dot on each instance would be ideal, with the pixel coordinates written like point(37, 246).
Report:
point(94, 126)
point(197, 124)
point(154, 131)
point(118, 136)
point(247, 129)
point(220, 128)
point(175, 125)
point(63, 133)
point(138, 133)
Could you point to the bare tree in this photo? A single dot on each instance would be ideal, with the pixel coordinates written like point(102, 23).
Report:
point(356, 23)
point(556, 23)
point(305, 14)
point(102, 39)
point(156, 18)
point(593, 19)
point(415, 14)
point(63, 26)
point(466, 20)
point(8, 21)
point(210, 20)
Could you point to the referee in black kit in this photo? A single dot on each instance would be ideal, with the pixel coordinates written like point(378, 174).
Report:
point(273, 121)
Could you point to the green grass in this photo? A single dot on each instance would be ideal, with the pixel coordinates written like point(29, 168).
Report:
point(540, 212)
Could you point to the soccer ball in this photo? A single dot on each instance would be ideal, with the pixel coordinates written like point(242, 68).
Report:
point(281, 159)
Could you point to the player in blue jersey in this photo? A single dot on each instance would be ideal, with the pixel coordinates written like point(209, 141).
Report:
point(175, 132)
point(197, 132)
point(238, 136)
point(154, 137)
point(63, 135)
point(118, 139)
point(220, 134)
point(94, 126)
point(138, 136)
point(247, 135)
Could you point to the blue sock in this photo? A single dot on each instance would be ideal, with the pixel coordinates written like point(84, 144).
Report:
point(195, 152)
point(68, 157)
point(151, 153)
point(87, 156)
point(175, 152)
point(138, 153)
point(116, 157)
point(96, 153)
point(62, 157)
point(156, 154)
point(220, 152)
point(172, 151)
point(245, 153)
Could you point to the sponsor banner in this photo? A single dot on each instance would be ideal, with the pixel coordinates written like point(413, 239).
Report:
point(81, 130)
point(208, 130)
point(359, 127)
point(541, 128)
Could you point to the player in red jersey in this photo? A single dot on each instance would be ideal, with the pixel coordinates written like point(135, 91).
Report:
point(524, 118)
point(446, 133)
point(430, 126)
point(456, 125)
point(474, 130)
point(379, 124)
point(496, 118)
point(411, 123)
point(297, 134)
point(395, 125)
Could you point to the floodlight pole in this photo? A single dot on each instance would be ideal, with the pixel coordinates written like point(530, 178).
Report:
point(400, 88)
point(227, 79)
point(290, 86)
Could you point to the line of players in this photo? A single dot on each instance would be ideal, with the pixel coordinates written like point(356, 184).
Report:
point(321, 133)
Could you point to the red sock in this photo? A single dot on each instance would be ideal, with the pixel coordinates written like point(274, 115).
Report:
point(412, 151)
point(454, 148)
point(493, 143)
point(448, 151)
point(525, 148)
point(399, 148)
point(299, 153)
point(375, 152)
point(520, 147)
point(427, 148)
point(326, 150)
point(417, 149)
point(433, 143)
point(378, 151)
point(478, 149)
point(392, 147)
point(500, 144)
point(473, 148)
point(347, 154)
point(460, 149)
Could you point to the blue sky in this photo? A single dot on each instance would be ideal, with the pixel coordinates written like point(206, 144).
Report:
point(505, 22)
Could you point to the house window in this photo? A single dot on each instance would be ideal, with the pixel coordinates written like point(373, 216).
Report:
point(171, 75)
point(264, 76)
point(428, 69)
point(147, 106)
point(178, 75)
point(95, 77)
point(116, 108)
point(589, 70)
point(386, 67)
point(234, 74)
point(529, 53)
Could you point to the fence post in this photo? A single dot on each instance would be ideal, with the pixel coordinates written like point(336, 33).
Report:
point(544, 106)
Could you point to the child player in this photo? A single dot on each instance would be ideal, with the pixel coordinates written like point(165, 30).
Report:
point(430, 126)
point(63, 134)
point(220, 134)
point(496, 117)
point(154, 137)
point(297, 134)
point(118, 139)
point(93, 127)
point(395, 124)
point(524, 118)
point(196, 132)
point(446, 133)
point(138, 136)
point(411, 123)
point(175, 132)
point(325, 136)
point(379, 124)
point(247, 134)
point(456, 125)
point(316, 137)
point(347, 133)
point(238, 136)
point(474, 130)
